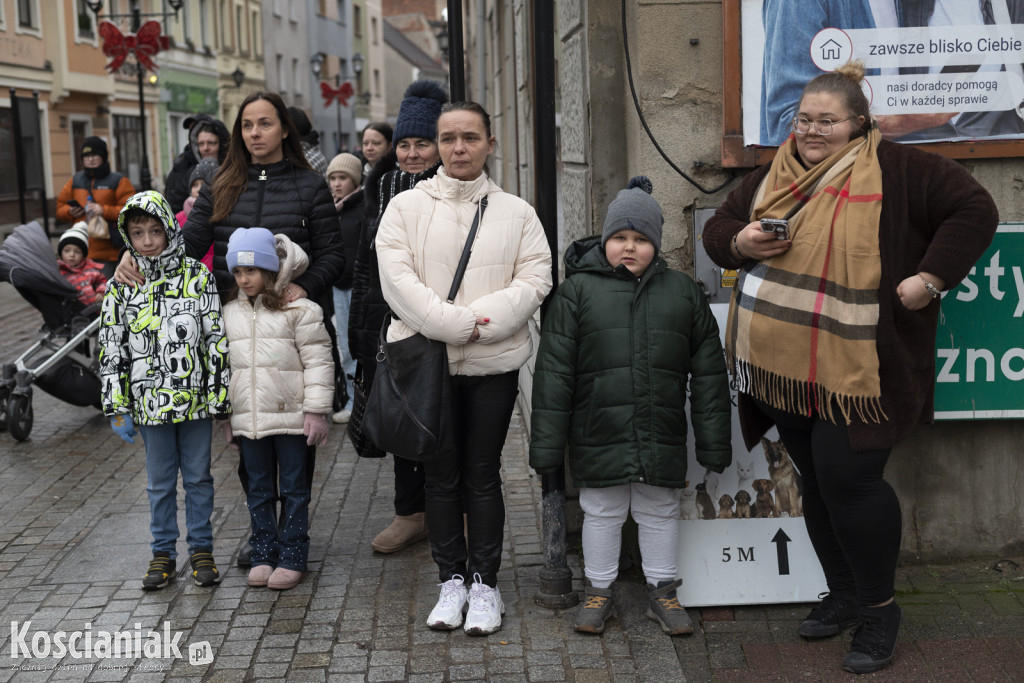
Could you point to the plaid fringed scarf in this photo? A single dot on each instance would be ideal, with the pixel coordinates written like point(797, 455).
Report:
point(802, 325)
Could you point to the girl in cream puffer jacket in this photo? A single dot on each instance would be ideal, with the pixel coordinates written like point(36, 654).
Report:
point(280, 370)
point(283, 381)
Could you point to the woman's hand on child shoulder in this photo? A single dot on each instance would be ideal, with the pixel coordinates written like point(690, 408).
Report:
point(293, 292)
point(315, 427)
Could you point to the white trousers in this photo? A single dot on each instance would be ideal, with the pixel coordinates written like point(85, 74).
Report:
point(656, 512)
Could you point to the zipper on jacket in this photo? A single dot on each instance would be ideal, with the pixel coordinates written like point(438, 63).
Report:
point(637, 284)
point(259, 199)
point(252, 372)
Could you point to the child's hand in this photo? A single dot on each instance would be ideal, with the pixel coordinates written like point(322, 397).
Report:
point(229, 436)
point(315, 428)
point(124, 427)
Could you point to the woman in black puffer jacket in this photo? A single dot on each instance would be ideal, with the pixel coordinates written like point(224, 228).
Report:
point(270, 186)
point(368, 305)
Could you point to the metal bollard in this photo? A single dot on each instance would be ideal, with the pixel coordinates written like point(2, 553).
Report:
point(555, 578)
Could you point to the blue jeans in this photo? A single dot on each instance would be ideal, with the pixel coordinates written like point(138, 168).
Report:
point(181, 446)
point(342, 305)
point(278, 463)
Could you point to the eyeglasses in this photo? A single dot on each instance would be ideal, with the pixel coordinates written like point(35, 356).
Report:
point(802, 126)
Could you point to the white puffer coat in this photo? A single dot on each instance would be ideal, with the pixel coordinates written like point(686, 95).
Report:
point(281, 365)
point(419, 243)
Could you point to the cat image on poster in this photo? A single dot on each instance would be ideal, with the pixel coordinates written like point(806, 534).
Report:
point(688, 503)
point(711, 484)
point(745, 473)
point(788, 483)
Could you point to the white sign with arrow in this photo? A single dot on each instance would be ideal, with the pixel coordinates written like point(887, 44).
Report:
point(747, 562)
point(745, 559)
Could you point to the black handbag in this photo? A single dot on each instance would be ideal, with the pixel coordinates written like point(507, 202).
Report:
point(408, 411)
point(365, 448)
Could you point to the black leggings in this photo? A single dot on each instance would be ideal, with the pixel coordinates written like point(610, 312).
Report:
point(852, 514)
point(469, 480)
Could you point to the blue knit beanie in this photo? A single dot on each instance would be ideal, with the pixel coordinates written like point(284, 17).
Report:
point(635, 209)
point(253, 247)
point(420, 109)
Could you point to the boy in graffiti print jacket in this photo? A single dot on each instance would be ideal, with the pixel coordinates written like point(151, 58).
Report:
point(164, 367)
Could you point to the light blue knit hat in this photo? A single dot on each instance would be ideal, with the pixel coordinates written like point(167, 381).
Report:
point(253, 247)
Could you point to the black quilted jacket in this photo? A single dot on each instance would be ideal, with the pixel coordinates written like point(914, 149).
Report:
point(368, 305)
point(283, 199)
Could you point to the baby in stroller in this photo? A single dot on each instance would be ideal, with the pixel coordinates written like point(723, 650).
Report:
point(82, 272)
point(60, 362)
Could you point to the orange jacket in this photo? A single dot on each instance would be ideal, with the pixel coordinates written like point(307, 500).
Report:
point(111, 193)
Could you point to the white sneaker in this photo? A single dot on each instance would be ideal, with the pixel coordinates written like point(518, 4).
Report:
point(341, 417)
point(447, 613)
point(485, 609)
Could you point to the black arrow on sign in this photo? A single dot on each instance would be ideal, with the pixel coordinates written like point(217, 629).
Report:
point(781, 539)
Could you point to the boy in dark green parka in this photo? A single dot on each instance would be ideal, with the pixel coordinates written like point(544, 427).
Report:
point(623, 337)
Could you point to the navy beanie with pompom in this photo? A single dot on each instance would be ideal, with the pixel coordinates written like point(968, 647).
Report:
point(419, 111)
point(635, 209)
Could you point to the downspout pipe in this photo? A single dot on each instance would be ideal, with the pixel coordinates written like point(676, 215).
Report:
point(456, 53)
point(555, 590)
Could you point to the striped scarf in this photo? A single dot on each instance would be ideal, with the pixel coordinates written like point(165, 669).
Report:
point(802, 325)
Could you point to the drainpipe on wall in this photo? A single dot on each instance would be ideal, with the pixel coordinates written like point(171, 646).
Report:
point(555, 591)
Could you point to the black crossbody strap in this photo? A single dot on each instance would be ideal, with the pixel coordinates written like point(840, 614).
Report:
point(460, 271)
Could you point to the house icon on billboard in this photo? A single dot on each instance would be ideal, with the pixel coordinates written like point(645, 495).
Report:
point(831, 50)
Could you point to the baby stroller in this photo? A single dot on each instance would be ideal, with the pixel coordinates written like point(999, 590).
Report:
point(60, 362)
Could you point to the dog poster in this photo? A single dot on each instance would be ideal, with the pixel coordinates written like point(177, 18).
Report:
point(742, 539)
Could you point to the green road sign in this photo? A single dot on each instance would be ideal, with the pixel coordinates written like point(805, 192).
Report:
point(979, 359)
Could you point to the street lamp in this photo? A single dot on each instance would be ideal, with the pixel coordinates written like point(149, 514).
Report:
point(145, 179)
point(238, 76)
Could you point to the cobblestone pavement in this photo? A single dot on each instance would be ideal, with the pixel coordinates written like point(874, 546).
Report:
point(74, 545)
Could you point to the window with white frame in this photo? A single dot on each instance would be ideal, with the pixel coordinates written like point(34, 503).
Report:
point(26, 13)
point(240, 26)
point(85, 23)
point(257, 34)
point(204, 35)
point(225, 24)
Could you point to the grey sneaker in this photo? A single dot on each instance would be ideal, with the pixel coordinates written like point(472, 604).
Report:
point(595, 610)
point(663, 606)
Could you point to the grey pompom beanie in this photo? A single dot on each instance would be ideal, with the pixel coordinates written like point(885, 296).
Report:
point(635, 209)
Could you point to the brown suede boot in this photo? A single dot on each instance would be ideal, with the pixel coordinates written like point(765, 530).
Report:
point(401, 533)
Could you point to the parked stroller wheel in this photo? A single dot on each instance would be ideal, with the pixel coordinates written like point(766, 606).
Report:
point(19, 416)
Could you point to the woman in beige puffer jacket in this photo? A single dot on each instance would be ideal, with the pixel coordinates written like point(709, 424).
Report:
point(419, 243)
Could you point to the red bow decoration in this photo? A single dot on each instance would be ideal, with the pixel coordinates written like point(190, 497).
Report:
point(144, 44)
point(343, 92)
